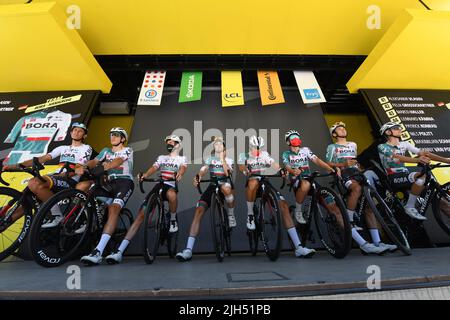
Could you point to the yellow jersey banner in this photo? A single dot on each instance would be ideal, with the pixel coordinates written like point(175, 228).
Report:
point(270, 88)
point(232, 90)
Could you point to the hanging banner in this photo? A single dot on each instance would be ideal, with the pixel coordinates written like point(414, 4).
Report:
point(152, 88)
point(232, 90)
point(270, 88)
point(191, 87)
point(309, 87)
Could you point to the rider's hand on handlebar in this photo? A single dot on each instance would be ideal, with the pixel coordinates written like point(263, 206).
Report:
point(297, 172)
point(79, 170)
point(197, 180)
point(351, 162)
point(141, 176)
point(424, 160)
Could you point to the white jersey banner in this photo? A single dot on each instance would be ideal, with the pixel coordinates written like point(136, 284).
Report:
point(309, 87)
point(152, 88)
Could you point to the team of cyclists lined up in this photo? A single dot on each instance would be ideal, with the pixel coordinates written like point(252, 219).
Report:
point(117, 161)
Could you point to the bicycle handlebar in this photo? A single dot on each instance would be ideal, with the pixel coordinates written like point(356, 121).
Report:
point(159, 180)
point(426, 168)
point(278, 175)
point(215, 180)
point(34, 170)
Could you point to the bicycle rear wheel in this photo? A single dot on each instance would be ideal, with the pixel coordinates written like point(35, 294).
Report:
point(152, 229)
point(386, 218)
point(12, 234)
point(51, 247)
point(123, 225)
point(441, 208)
point(332, 224)
point(270, 224)
point(217, 228)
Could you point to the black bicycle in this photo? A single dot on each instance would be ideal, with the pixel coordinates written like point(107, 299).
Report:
point(371, 200)
point(157, 222)
point(14, 226)
point(330, 217)
point(220, 228)
point(84, 216)
point(267, 217)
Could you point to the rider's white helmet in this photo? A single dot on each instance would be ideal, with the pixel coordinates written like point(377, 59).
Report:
point(256, 142)
point(387, 126)
point(120, 130)
point(174, 138)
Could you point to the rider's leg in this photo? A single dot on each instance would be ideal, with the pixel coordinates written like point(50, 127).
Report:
point(352, 199)
point(195, 225)
point(132, 231)
point(300, 195)
point(171, 196)
point(41, 189)
point(83, 185)
point(250, 193)
point(110, 227)
point(372, 225)
point(416, 189)
point(229, 199)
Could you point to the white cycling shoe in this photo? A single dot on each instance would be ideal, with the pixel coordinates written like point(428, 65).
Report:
point(302, 252)
point(413, 213)
point(173, 226)
point(94, 258)
point(370, 248)
point(114, 257)
point(52, 223)
point(299, 217)
point(251, 222)
point(184, 255)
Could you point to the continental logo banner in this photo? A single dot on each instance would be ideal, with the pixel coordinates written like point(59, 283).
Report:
point(58, 101)
point(191, 87)
point(270, 88)
point(232, 90)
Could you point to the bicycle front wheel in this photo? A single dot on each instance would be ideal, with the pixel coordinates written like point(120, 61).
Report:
point(217, 228)
point(332, 224)
point(152, 229)
point(12, 234)
point(386, 219)
point(52, 246)
point(441, 207)
point(269, 222)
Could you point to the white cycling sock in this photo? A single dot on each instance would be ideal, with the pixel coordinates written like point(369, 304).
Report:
point(411, 201)
point(190, 243)
point(294, 236)
point(123, 245)
point(103, 242)
point(357, 237)
point(298, 207)
point(173, 216)
point(375, 236)
point(351, 214)
point(56, 210)
point(250, 207)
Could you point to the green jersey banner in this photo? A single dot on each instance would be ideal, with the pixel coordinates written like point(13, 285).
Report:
point(191, 87)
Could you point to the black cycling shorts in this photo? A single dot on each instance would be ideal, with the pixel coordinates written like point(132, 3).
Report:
point(346, 176)
point(119, 189)
point(155, 189)
point(402, 180)
point(205, 198)
point(61, 182)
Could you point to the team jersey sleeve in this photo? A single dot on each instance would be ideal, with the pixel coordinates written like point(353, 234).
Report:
point(12, 136)
point(269, 159)
point(89, 153)
point(230, 163)
point(63, 127)
point(330, 153)
point(158, 162)
point(57, 152)
point(101, 156)
point(184, 162)
point(411, 148)
point(285, 158)
point(385, 151)
point(242, 158)
point(126, 154)
point(208, 161)
point(310, 154)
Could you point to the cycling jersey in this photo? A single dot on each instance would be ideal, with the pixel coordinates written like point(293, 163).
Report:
point(299, 160)
point(216, 167)
point(256, 165)
point(339, 153)
point(168, 165)
point(73, 154)
point(125, 171)
point(391, 164)
point(34, 133)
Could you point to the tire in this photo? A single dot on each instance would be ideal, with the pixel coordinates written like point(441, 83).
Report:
point(270, 224)
point(386, 219)
point(217, 228)
point(172, 242)
point(123, 225)
point(15, 234)
point(152, 229)
point(335, 237)
point(442, 219)
point(53, 247)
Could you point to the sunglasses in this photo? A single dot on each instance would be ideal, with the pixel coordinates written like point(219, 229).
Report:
point(115, 134)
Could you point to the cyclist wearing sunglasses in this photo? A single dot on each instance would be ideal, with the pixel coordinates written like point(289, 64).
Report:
point(393, 158)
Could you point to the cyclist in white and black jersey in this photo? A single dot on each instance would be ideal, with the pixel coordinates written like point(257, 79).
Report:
point(76, 154)
point(118, 161)
point(168, 165)
point(256, 162)
point(218, 166)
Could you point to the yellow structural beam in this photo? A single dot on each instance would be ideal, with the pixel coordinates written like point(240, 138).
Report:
point(325, 27)
point(413, 54)
point(438, 4)
point(38, 52)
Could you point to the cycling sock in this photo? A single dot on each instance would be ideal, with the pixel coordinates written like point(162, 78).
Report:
point(298, 207)
point(411, 201)
point(103, 242)
point(56, 211)
point(190, 243)
point(294, 236)
point(357, 237)
point(375, 236)
point(173, 216)
point(123, 245)
point(250, 207)
point(351, 214)
point(231, 211)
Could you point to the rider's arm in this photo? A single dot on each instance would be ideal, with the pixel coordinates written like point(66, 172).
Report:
point(406, 159)
point(434, 156)
point(322, 164)
point(92, 163)
point(43, 159)
point(113, 164)
point(275, 165)
point(150, 171)
point(203, 171)
point(181, 172)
